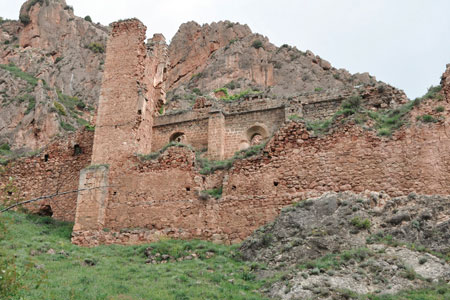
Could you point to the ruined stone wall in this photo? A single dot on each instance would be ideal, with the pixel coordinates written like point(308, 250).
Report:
point(293, 167)
point(192, 125)
point(240, 127)
point(321, 110)
point(126, 105)
point(56, 169)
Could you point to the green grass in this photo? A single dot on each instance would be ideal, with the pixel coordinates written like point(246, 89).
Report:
point(17, 72)
point(436, 292)
point(66, 126)
point(336, 261)
point(426, 119)
point(210, 166)
point(119, 272)
point(237, 96)
point(70, 103)
point(215, 193)
point(31, 105)
point(155, 155)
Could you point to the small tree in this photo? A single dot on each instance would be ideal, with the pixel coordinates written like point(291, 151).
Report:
point(88, 18)
point(257, 44)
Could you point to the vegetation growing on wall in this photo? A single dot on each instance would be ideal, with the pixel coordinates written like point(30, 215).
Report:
point(237, 96)
point(385, 121)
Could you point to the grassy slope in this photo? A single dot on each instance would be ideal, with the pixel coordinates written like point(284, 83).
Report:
point(120, 272)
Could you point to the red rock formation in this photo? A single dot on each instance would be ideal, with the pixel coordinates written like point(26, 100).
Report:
point(445, 83)
point(193, 45)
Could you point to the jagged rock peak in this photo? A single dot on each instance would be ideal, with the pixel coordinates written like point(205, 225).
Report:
point(29, 5)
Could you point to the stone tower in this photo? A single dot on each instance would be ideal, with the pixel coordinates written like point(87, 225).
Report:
point(133, 83)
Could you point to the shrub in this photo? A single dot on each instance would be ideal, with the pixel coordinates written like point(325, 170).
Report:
point(353, 102)
point(426, 119)
point(66, 126)
point(96, 47)
point(215, 193)
point(294, 117)
point(60, 108)
point(360, 223)
point(267, 239)
point(31, 105)
point(439, 109)
point(5, 147)
point(384, 131)
point(58, 59)
point(318, 89)
point(319, 127)
point(232, 85)
point(25, 19)
point(88, 18)
point(257, 44)
point(197, 91)
point(89, 127)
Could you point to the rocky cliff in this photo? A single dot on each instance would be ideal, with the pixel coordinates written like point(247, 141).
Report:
point(228, 55)
point(51, 66)
point(50, 73)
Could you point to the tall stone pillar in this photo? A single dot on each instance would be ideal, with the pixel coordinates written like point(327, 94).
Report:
point(216, 135)
point(124, 123)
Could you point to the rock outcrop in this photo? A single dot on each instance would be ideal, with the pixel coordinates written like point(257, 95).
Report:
point(224, 54)
point(349, 241)
point(52, 65)
point(445, 83)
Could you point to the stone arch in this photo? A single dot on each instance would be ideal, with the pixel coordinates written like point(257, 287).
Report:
point(177, 137)
point(257, 134)
point(45, 210)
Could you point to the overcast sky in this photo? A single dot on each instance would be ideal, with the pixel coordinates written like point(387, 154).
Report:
point(402, 42)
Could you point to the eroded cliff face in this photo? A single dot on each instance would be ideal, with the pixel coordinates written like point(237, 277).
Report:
point(52, 66)
point(225, 54)
point(51, 71)
point(445, 83)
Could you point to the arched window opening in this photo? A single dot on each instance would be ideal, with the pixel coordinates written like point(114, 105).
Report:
point(177, 137)
point(46, 157)
point(256, 139)
point(257, 134)
point(45, 210)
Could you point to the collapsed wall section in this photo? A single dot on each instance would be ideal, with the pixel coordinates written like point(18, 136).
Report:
point(54, 170)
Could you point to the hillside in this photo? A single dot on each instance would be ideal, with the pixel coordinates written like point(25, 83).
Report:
point(51, 68)
point(39, 262)
point(352, 244)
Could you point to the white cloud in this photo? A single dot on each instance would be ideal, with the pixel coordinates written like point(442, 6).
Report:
point(402, 42)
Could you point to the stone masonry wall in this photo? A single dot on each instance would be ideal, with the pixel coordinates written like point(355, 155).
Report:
point(195, 133)
point(294, 166)
point(55, 169)
point(125, 114)
point(222, 137)
point(238, 127)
